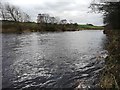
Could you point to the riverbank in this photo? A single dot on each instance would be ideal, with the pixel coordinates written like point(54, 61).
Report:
point(14, 27)
point(111, 75)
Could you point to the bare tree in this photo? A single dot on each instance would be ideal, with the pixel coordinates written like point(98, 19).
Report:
point(53, 20)
point(3, 13)
point(25, 17)
point(46, 18)
point(14, 12)
point(43, 18)
point(64, 21)
point(40, 18)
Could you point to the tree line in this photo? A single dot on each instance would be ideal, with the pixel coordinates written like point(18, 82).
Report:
point(45, 22)
point(51, 23)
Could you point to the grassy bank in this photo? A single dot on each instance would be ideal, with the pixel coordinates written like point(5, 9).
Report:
point(90, 27)
point(13, 27)
point(111, 73)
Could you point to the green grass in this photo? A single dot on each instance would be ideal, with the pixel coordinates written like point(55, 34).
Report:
point(83, 27)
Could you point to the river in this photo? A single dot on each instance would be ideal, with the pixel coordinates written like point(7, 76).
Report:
point(52, 60)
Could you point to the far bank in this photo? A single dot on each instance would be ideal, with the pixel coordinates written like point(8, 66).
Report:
point(20, 27)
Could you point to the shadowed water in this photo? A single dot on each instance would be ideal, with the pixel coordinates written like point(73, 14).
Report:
point(52, 60)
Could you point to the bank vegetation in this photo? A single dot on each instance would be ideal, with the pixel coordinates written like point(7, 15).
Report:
point(110, 77)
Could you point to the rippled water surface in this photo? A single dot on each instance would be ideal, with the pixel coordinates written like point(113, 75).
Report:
point(52, 60)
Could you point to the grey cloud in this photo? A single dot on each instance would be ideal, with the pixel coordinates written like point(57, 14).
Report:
point(75, 10)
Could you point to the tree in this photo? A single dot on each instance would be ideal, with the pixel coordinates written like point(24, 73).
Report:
point(13, 13)
point(46, 18)
point(64, 21)
point(53, 20)
point(40, 18)
point(111, 13)
point(25, 17)
point(43, 18)
point(3, 13)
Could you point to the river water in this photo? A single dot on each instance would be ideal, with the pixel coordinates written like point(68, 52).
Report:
point(52, 60)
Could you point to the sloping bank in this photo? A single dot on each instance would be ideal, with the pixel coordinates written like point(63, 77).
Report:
point(111, 73)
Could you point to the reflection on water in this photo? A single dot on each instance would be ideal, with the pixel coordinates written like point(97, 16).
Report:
point(52, 60)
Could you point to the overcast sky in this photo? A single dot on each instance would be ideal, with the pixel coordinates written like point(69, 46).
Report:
point(75, 10)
